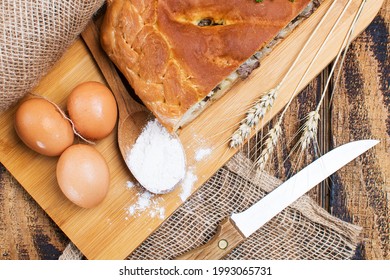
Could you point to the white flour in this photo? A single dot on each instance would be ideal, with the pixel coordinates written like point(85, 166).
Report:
point(130, 185)
point(157, 159)
point(153, 205)
point(187, 185)
point(147, 203)
point(202, 153)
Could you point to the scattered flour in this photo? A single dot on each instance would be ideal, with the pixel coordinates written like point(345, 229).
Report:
point(202, 153)
point(152, 204)
point(130, 184)
point(187, 184)
point(157, 159)
point(147, 203)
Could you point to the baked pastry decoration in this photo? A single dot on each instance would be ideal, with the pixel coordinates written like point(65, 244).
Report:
point(179, 54)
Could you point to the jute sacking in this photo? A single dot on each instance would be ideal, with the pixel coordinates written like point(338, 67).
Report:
point(33, 36)
point(301, 231)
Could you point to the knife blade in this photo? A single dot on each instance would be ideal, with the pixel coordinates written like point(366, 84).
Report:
point(235, 229)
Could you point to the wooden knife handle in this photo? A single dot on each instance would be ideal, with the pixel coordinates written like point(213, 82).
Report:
point(228, 237)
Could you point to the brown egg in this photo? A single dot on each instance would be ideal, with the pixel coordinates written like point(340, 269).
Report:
point(42, 128)
point(83, 175)
point(92, 108)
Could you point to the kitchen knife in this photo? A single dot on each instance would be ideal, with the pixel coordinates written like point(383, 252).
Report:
point(235, 229)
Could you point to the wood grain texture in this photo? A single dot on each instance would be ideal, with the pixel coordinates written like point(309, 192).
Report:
point(361, 110)
point(26, 231)
point(20, 243)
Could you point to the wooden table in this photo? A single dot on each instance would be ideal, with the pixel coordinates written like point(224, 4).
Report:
point(358, 193)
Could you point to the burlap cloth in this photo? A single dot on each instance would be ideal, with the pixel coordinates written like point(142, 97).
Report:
point(301, 231)
point(34, 35)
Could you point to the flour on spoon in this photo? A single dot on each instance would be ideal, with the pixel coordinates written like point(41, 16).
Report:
point(157, 159)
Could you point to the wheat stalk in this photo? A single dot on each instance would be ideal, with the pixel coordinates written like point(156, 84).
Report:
point(253, 116)
point(266, 101)
point(310, 127)
point(264, 156)
point(269, 145)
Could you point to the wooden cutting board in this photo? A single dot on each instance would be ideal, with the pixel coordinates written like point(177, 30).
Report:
point(115, 228)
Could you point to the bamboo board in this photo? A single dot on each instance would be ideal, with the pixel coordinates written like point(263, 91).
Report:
point(108, 231)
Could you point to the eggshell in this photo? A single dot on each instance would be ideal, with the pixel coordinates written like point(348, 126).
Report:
point(83, 175)
point(93, 110)
point(42, 128)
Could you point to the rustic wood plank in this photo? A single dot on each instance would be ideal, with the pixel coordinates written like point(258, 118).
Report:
point(361, 109)
point(26, 231)
point(324, 136)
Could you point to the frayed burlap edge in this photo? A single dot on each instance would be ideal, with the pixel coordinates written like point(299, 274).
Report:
point(71, 253)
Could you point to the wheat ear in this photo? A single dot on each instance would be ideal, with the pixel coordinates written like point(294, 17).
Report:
point(310, 127)
point(266, 101)
point(253, 116)
point(269, 146)
point(271, 137)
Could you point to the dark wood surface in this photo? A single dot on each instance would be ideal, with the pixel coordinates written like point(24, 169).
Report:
point(361, 109)
point(358, 193)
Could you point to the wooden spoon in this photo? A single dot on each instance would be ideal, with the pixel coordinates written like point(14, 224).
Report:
point(132, 116)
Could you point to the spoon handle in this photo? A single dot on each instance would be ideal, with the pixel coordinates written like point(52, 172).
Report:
point(125, 102)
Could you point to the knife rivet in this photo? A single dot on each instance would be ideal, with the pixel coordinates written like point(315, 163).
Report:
point(223, 244)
